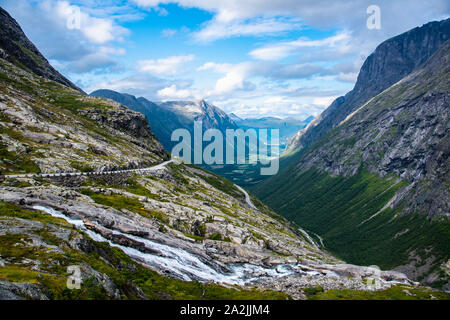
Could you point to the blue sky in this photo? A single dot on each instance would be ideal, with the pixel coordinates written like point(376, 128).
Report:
point(287, 58)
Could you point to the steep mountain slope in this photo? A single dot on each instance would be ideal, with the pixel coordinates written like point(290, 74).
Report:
point(47, 128)
point(392, 60)
point(234, 117)
point(17, 49)
point(375, 188)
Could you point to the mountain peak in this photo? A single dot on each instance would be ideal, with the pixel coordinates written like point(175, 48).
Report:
point(235, 117)
point(391, 61)
point(16, 48)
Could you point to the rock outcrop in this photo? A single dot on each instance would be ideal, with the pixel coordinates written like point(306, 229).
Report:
point(403, 131)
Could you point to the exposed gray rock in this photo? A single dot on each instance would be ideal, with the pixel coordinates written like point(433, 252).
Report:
point(100, 279)
point(21, 291)
point(165, 117)
point(392, 60)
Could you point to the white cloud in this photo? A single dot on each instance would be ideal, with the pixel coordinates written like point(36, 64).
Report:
point(169, 33)
point(235, 77)
point(301, 87)
point(139, 85)
point(217, 29)
point(263, 86)
point(165, 66)
point(274, 52)
point(397, 16)
point(293, 71)
point(162, 12)
point(174, 93)
point(92, 62)
point(96, 30)
point(217, 67)
point(89, 47)
point(283, 49)
point(348, 77)
point(324, 101)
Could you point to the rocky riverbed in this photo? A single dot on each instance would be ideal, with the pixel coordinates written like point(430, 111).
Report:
point(203, 235)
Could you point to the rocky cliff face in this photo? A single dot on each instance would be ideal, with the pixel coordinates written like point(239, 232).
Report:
point(403, 131)
point(17, 49)
point(392, 60)
point(376, 185)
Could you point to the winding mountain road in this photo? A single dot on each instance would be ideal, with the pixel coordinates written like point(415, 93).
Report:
point(95, 173)
point(247, 197)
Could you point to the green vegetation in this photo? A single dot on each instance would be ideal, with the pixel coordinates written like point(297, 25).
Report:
point(111, 261)
point(218, 237)
point(267, 211)
point(229, 188)
point(80, 166)
point(339, 209)
point(132, 186)
point(398, 292)
point(38, 60)
point(311, 292)
point(220, 183)
point(12, 162)
point(195, 237)
point(176, 170)
point(121, 202)
point(17, 183)
point(234, 173)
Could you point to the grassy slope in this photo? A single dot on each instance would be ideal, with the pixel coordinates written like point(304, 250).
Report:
point(335, 207)
point(394, 293)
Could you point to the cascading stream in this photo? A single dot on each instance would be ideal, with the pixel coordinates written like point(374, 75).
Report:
point(179, 262)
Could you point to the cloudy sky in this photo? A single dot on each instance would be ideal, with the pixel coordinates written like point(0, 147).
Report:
point(251, 57)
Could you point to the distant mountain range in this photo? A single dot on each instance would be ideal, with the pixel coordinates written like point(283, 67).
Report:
point(165, 117)
point(287, 127)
